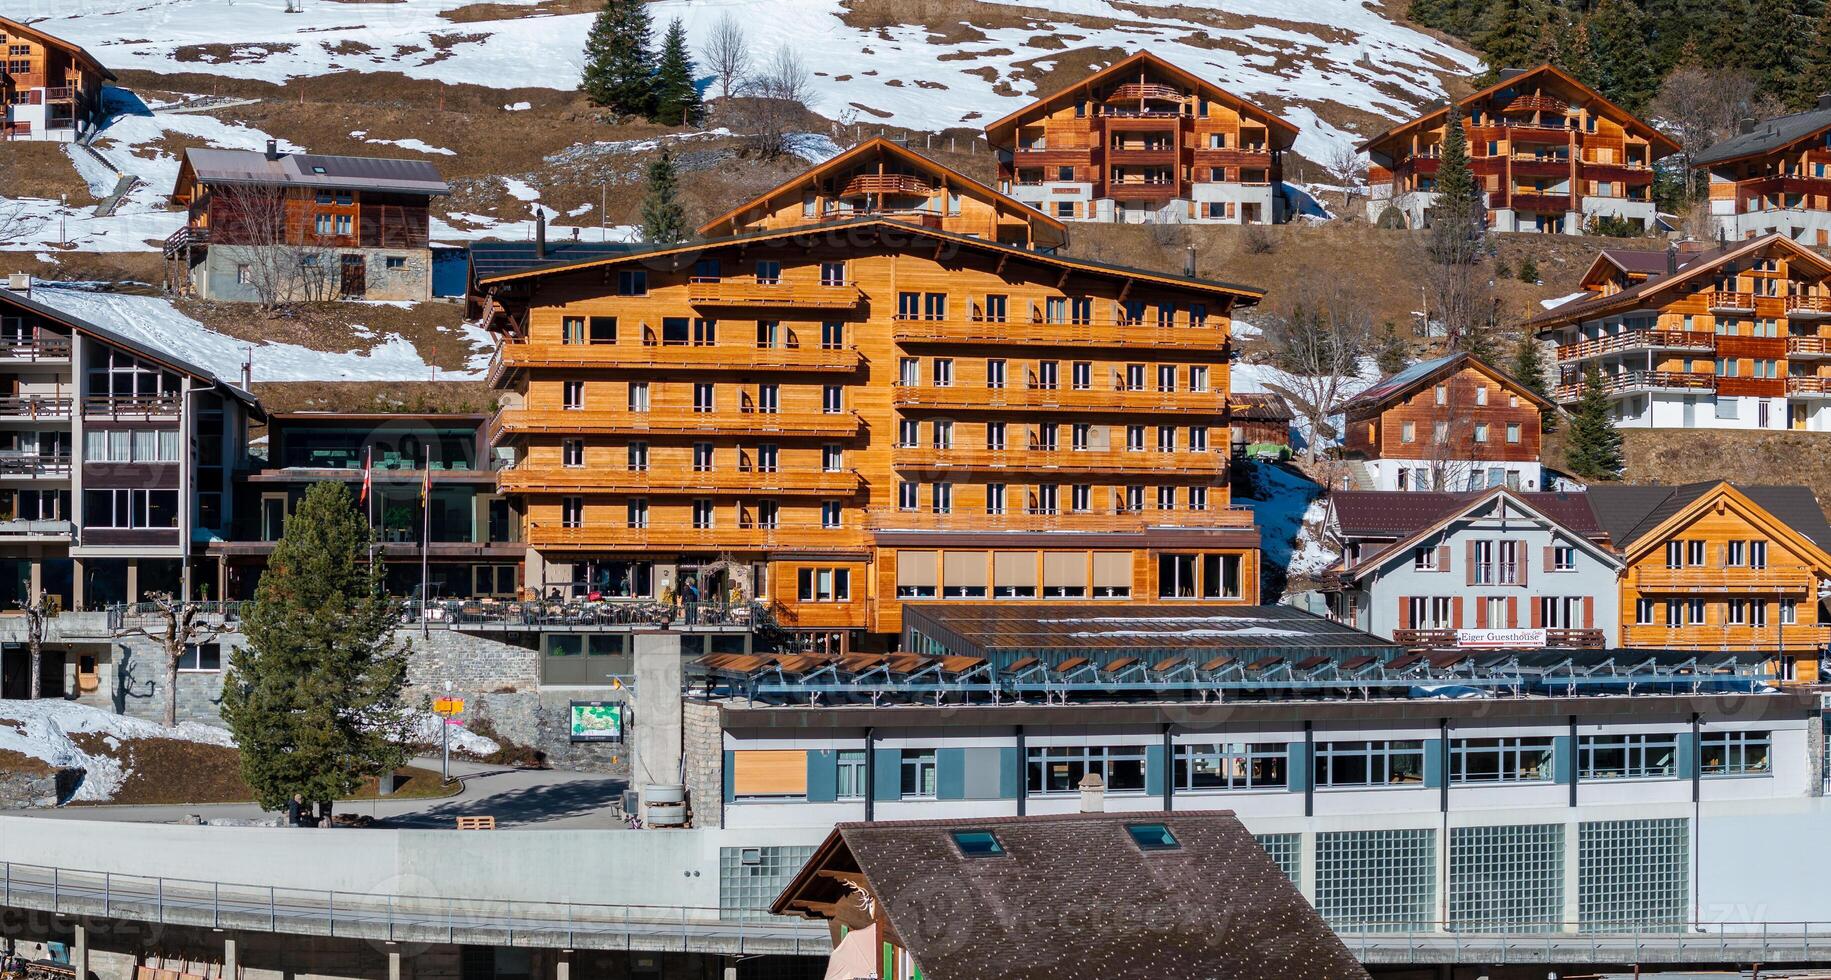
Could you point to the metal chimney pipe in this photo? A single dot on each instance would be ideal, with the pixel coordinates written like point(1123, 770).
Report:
point(1189, 261)
point(273, 150)
point(540, 233)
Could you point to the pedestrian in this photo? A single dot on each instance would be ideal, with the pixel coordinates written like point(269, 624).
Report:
point(691, 594)
point(293, 808)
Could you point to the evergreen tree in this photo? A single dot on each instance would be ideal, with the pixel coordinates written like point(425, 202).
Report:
point(1770, 39)
point(1511, 35)
point(314, 698)
point(1529, 371)
point(1458, 214)
point(619, 64)
point(677, 101)
point(1815, 63)
point(1528, 270)
point(1618, 36)
point(664, 221)
point(1391, 353)
point(1594, 452)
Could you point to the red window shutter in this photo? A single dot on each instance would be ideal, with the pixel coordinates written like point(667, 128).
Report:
point(1520, 552)
point(1538, 614)
point(1551, 561)
point(1481, 614)
point(1589, 612)
point(1456, 613)
point(1443, 558)
point(1469, 562)
point(1513, 612)
point(1404, 612)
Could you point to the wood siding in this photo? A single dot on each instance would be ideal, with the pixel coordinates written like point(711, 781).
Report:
point(1382, 433)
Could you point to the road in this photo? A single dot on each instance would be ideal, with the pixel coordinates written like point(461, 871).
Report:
point(517, 798)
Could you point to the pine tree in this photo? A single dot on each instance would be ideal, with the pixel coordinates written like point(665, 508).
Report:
point(664, 221)
point(1511, 35)
point(1529, 371)
point(1528, 270)
point(1457, 214)
point(1618, 35)
point(1391, 353)
point(1815, 63)
point(1771, 33)
point(619, 65)
point(677, 101)
point(314, 698)
point(1594, 452)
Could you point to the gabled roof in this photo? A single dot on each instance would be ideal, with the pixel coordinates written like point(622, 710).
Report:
point(873, 147)
point(1242, 295)
point(1402, 513)
point(1283, 132)
point(1661, 143)
point(1636, 516)
point(1073, 895)
point(1768, 137)
point(392, 175)
point(12, 26)
point(1700, 265)
point(1259, 406)
point(1566, 513)
point(1405, 383)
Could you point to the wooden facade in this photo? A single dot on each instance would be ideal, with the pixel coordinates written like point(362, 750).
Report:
point(1774, 177)
point(882, 178)
point(799, 409)
point(1723, 573)
point(52, 88)
point(1453, 423)
point(1736, 337)
point(1145, 140)
point(1549, 152)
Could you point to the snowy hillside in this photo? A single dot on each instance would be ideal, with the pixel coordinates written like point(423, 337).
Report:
point(925, 66)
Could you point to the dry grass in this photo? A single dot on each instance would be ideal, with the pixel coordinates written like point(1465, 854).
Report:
point(169, 771)
point(477, 12)
point(376, 396)
point(42, 170)
point(1674, 456)
point(17, 762)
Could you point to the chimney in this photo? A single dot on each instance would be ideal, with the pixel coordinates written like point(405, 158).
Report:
point(1093, 793)
point(540, 233)
point(1671, 258)
point(1824, 101)
point(20, 282)
point(248, 370)
point(1748, 125)
point(273, 150)
point(1189, 261)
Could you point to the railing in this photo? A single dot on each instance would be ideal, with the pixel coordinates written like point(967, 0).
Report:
point(1638, 340)
point(39, 348)
point(1729, 299)
point(1808, 306)
point(1536, 103)
point(36, 407)
point(1584, 941)
point(1067, 460)
point(1142, 190)
point(528, 479)
point(186, 237)
point(1808, 346)
point(27, 463)
point(1133, 91)
point(1561, 639)
point(1027, 519)
point(734, 292)
point(399, 918)
point(523, 420)
point(26, 528)
point(705, 357)
point(1701, 579)
point(900, 184)
point(62, 93)
point(744, 536)
point(1634, 380)
point(1808, 385)
point(1539, 202)
point(1091, 331)
point(1141, 156)
point(1105, 399)
point(136, 405)
point(584, 612)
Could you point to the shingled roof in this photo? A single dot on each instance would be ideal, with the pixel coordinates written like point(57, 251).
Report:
point(1766, 137)
point(1075, 896)
point(382, 174)
point(1398, 514)
point(1627, 513)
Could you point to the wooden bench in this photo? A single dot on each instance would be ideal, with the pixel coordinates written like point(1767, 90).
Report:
point(476, 823)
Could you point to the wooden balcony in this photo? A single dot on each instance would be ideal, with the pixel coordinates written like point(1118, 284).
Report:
point(1534, 201)
point(1060, 461)
point(1148, 91)
point(1752, 195)
point(617, 537)
point(523, 421)
point(1658, 578)
point(902, 185)
point(1800, 348)
point(772, 295)
point(31, 465)
point(1237, 157)
point(1799, 638)
point(1730, 301)
point(1639, 381)
point(1445, 639)
point(1535, 103)
point(41, 348)
point(715, 357)
point(1054, 399)
point(1633, 340)
point(1808, 385)
point(1054, 156)
point(36, 407)
point(1143, 190)
point(1021, 519)
point(1097, 332)
point(750, 482)
point(1122, 156)
point(1527, 133)
point(1529, 166)
point(132, 406)
point(1808, 307)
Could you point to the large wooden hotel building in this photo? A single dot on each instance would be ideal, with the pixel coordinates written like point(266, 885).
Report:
point(1145, 141)
point(1549, 152)
point(884, 403)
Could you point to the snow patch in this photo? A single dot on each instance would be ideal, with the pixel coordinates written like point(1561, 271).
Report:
point(1557, 301)
point(42, 730)
point(417, 145)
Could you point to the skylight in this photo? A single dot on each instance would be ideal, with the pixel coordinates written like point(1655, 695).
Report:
point(978, 843)
point(1153, 837)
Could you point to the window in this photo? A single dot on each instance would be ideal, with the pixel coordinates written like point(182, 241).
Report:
point(1080, 498)
point(1694, 553)
point(632, 282)
point(769, 334)
point(1080, 375)
point(702, 457)
point(978, 843)
point(824, 584)
point(832, 273)
point(1627, 756)
point(1152, 837)
point(1166, 377)
point(833, 335)
point(1675, 554)
point(1424, 559)
point(1134, 377)
point(704, 397)
point(572, 453)
point(1563, 558)
point(1757, 554)
point(201, 657)
point(1058, 770)
point(769, 398)
point(769, 272)
point(635, 512)
point(995, 436)
point(944, 372)
point(995, 307)
point(833, 399)
point(1643, 612)
point(833, 458)
point(909, 371)
point(1500, 760)
point(702, 514)
point(1235, 765)
point(908, 433)
point(1789, 612)
point(572, 512)
point(1513, 432)
point(1046, 378)
point(831, 513)
point(637, 453)
point(919, 774)
point(1369, 763)
point(1198, 438)
point(769, 515)
point(573, 395)
point(1443, 394)
point(1198, 498)
point(943, 433)
point(131, 508)
point(638, 396)
point(995, 373)
point(941, 498)
point(603, 330)
point(1735, 753)
point(1408, 431)
point(1481, 432)
point(851, 785)
point(994, 498)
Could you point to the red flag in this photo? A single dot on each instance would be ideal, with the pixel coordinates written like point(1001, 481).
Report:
point(426, 479)
point(368, 461)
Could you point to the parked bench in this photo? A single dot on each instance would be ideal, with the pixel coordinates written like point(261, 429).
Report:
point(476, 823)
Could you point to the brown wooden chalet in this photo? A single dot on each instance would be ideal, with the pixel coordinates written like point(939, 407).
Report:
point(53, 89)
point(1550, 153)
point(1774, 177)
point(358, 227)
point(1145, 138)
point(1452, 423)
point(882, 178)
point(1181, 896)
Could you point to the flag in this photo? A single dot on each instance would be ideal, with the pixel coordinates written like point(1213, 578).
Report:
point(426, 480)
point(368, 462)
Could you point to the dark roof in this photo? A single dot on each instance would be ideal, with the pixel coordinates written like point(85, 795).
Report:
point(1506, 78)
point(1260, 407)
point(1694, 263)
point(1402, 513)
point(489, 259)
point(1410, 379)
point(1768, 136)
point(316, 170)
point(1074, 896)
point(981, 629)
point(1627, 513)
point(1645, 261)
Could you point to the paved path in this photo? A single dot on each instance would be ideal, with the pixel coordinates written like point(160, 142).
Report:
point(517, 798)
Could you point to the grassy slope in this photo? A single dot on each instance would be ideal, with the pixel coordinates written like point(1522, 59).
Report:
point(173, 771)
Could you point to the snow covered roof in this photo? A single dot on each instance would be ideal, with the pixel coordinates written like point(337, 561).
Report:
point(212, 166)
point(982, 630)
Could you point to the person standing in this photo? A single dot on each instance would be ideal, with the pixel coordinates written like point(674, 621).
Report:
point(293, 808)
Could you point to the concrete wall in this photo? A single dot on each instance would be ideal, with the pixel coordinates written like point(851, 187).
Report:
point(215, 277)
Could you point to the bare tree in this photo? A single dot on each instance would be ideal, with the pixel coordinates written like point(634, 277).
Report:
point(38, 611)
point(276, 256)
point(775, 105)
point(1318, 338)
point(727, 54)
point(1701, 108)
point(176, 625)
point(1451, 453)
point(1349, 169)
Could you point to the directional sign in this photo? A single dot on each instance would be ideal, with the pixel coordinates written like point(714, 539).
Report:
point(448, 706)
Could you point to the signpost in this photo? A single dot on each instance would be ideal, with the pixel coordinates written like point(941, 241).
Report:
point(446, 708)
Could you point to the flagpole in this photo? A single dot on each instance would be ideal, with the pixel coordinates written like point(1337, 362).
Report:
point(425, 536)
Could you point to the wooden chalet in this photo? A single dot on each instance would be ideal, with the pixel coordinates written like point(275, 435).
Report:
point(881, 178)
point(846, 418)
point(1774, 178)
point(1451, 423)
point(1550, 153)
point(52, 88)
point(272, 226)
point(1711, 566)
point(1145, 140)
point(1734, 337)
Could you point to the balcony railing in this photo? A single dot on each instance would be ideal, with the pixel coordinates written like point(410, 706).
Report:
point(1808, 385)
point(1692, 340)
point(1535, 103)
point(1808, 306)
point(1802, 347)
point(1094, 332)
point(1730, 300)
point(1155, 156)
point(141, 406)
point(1629, 381)
point(1659, 578)
point(36, 407)
point(523, 420)
point(34, 464)
point(1133, 91)
point(1143, 190)
point(1030, 519)
point(561, 479)
point(1561, 639)
point(40, 348)
point(25, 528)
point(897, 184)
point(1063, 460)
point(750, 293)
point(712, 357)
point(742, 537)
point(1105, 399)
point(1534, 201)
